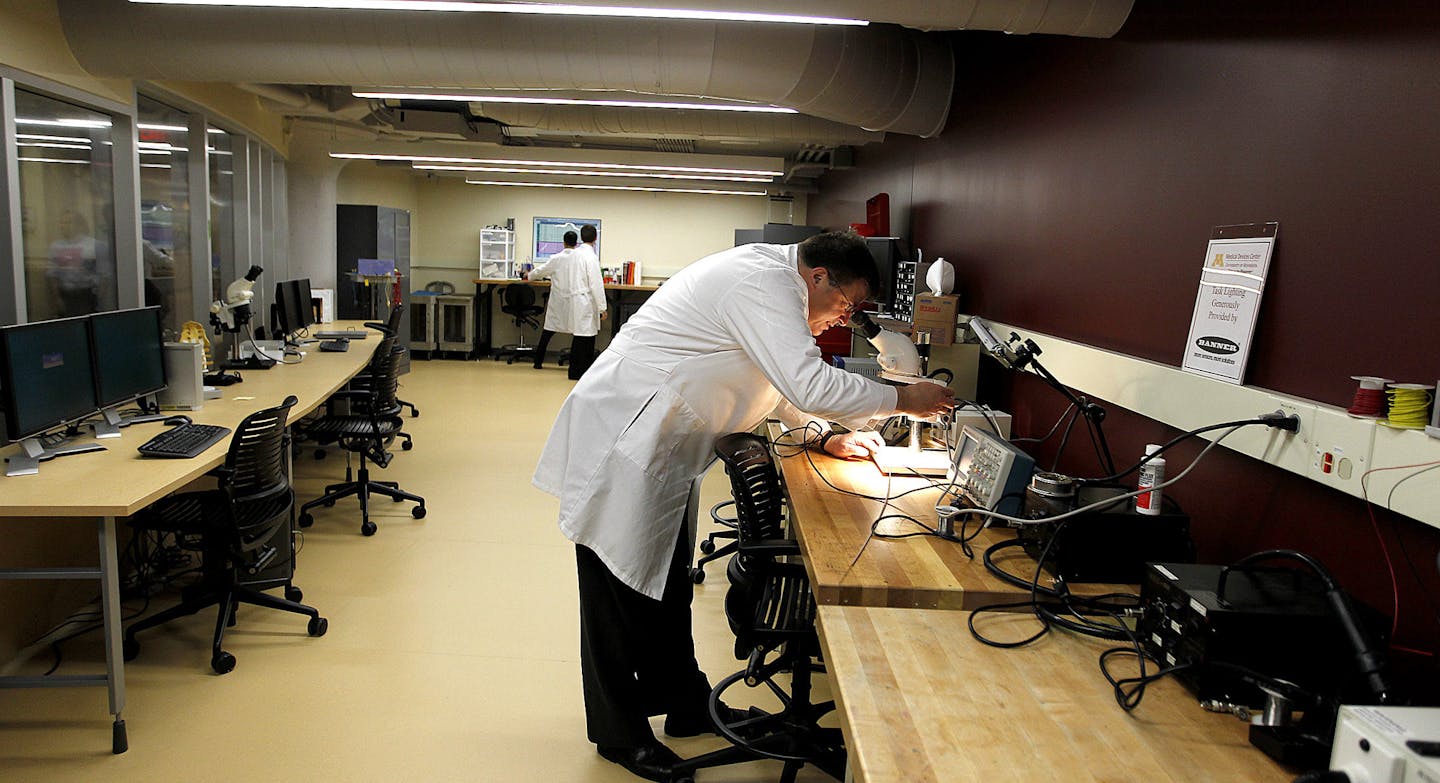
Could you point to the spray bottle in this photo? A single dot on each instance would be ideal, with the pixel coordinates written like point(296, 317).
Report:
point(1151, 474)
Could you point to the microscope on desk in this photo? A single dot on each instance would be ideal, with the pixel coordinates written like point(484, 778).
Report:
point(904, 362)
point(231, 316)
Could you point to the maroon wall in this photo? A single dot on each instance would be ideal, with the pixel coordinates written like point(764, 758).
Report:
point(1076, 186)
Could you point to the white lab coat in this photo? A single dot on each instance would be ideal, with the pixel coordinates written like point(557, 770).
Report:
point(577, 294)
point(713, 351)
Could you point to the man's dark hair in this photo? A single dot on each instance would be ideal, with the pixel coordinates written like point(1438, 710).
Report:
point(588, 233)
point(844, 254)
point(569, 238)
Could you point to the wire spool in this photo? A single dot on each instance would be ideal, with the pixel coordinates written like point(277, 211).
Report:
point(1369, 401)
point(1409, 405)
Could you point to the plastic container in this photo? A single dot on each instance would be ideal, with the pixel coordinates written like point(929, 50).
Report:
point(1151, 474)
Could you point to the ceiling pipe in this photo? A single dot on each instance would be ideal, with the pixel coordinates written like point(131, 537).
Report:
point(881, 77)
point(651, 123)
point(287, 97)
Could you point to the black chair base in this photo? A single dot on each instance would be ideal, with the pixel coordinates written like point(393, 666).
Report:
point(362, 487)
point(515, 351)
point(227, 600)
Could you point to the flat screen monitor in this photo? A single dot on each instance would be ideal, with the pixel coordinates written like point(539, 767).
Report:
point(293, 309)
point(46, 376)
point(886, 252)
point(128, 347)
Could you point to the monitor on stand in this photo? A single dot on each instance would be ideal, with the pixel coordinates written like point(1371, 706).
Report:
point(292, 307)
point(886, 252)
point(128, 351)
point(46, 383)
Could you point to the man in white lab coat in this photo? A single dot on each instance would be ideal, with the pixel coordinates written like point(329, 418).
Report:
point(577, 304)
point(723, 343)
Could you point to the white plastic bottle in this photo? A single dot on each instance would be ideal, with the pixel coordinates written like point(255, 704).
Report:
point(1151, 473)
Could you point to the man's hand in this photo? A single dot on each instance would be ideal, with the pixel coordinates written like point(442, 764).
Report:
point(854, 444)
point(924, 400)
point(604, 314)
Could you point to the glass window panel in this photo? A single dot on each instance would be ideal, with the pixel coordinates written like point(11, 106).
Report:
point(164, 142)
point(67, 202)
point(222, 209)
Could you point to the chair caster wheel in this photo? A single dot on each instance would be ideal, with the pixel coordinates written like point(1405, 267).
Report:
point(318, 626)
point(367, 528)
point(294, 594)
point(415, 414)
point(697, 575)
point(418, 512)
point(707, 546)
point(306, 520)
point(223, 662)
point(130, 648)
point(407, 445)
point(319, 454)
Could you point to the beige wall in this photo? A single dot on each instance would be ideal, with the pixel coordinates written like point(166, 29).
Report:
point(31, 40)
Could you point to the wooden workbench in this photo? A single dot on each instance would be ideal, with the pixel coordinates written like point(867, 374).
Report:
point(920, 700)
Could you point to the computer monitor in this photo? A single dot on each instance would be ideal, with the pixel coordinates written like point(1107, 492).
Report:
point(293, 308)
point(128, 350)
point(886, 252)
point(46, 382)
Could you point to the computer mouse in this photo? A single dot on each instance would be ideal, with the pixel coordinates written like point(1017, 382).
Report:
point(173, 420)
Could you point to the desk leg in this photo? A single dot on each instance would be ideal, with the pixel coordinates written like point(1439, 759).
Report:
point(114, 651)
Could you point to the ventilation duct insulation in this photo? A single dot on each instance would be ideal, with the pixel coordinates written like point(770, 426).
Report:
point(445, 124)
point(1085, 18)
point(880, 77)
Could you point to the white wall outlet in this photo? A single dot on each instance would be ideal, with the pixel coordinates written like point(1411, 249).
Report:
point(1342, 446)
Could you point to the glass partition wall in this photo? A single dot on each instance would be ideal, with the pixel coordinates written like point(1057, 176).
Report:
point(74, 237)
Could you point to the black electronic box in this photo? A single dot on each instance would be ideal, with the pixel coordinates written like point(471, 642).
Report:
point(1275, 622)
point(1109, 544)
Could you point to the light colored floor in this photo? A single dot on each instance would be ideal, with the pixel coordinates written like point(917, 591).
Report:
point(452, 649)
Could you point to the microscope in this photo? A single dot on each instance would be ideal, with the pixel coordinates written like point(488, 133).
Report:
point(904, 362)
point(231, 316)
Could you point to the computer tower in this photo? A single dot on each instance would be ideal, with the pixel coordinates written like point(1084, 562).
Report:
point(184, 377)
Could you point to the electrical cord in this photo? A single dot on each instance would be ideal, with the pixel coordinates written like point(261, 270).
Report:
point(1269, 420)
point(1053, 428)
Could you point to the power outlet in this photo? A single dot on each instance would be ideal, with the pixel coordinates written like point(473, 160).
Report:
point(1342, 446)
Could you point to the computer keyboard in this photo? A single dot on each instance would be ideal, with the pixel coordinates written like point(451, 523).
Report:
point(351, 335)
point(184, 441)
point(336, 346)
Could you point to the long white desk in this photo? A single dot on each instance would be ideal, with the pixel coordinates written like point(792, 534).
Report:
point(118, 482)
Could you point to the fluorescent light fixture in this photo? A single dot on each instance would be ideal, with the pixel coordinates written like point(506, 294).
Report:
point(54, 145)
point(158, 127)
point(525, 8)
point(625, 104)
point(154, 165)
point(584, 173)
point(60, 139)
point(616, 187)
point(52, 160)
point(63, 123)
point(561, 163)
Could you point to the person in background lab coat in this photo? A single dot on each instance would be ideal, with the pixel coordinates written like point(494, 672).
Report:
point(577, 304)
point(721, 345)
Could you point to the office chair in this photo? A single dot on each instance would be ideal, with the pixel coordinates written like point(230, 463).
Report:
point(232, 526)
point(771, 611)
point(519, 304)
point(707, 547)
point(391, 326)
point(373, 422)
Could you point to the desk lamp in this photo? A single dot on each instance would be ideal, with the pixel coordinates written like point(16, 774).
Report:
point(901, 361)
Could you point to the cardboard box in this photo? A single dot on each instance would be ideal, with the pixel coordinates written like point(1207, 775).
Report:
point(936, 316)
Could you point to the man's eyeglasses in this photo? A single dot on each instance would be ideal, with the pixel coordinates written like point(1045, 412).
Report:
point(850, 306)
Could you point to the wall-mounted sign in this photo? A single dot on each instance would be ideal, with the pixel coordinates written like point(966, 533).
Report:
point(1231, 283)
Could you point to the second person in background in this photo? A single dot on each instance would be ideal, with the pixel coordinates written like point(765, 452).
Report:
point(577, 303)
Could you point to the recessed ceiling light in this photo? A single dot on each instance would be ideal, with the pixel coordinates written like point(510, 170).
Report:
point(603, 102)
point(616, 187)
point(525, 8)
point(562, 163)
point(63, 123)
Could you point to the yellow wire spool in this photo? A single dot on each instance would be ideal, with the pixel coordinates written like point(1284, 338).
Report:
point(1409, 405)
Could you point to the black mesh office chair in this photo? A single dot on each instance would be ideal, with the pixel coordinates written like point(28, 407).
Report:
point(233, 527)
point(772, 613)
point(707, 547)
point(519, 304)
point(372, 422)
point(391, 326)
